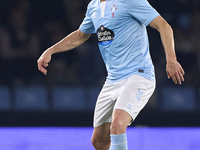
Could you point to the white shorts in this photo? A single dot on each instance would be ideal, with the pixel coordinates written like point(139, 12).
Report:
point(130, 95)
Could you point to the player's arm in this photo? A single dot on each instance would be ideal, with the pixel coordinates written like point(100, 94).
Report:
point(173, 68)
point(71, 41)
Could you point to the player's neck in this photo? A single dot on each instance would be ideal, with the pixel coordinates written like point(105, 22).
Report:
point(102, 0)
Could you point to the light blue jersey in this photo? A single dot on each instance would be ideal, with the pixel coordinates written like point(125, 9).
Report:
point(122, 36)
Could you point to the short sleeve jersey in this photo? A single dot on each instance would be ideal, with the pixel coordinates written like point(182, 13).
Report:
point(122, 36)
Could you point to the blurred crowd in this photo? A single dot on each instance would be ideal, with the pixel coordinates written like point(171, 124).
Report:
point(184, 17)
point(28, 27)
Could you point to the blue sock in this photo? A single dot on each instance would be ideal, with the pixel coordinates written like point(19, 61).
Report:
point(118, 142)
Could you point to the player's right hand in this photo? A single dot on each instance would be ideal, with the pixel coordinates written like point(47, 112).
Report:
point(43, 61)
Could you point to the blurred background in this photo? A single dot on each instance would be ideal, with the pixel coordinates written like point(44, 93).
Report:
point(67, 95)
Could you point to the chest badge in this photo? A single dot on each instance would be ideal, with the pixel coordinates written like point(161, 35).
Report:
point(113, 10)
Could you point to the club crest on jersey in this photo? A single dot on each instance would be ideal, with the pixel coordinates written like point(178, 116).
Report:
point(105, 35)
point(113, 10)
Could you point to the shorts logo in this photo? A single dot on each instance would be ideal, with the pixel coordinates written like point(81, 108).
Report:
point(129, 106)
point(105, 35)
point(139, 95)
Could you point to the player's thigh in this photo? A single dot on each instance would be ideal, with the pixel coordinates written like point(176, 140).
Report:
point(101, 134)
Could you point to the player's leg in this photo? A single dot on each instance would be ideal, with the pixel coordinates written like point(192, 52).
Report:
point(103, 116)
point(120, 121)
point(101, 137)
point(101, 134)
point(134, 95)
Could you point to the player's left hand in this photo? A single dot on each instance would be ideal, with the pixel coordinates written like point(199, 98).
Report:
point(175, 71)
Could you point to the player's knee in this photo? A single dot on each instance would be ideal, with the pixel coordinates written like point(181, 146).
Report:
point(100, 144)
point(118, 126)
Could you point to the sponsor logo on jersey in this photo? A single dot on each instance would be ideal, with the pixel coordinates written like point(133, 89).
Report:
point(105, 35)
